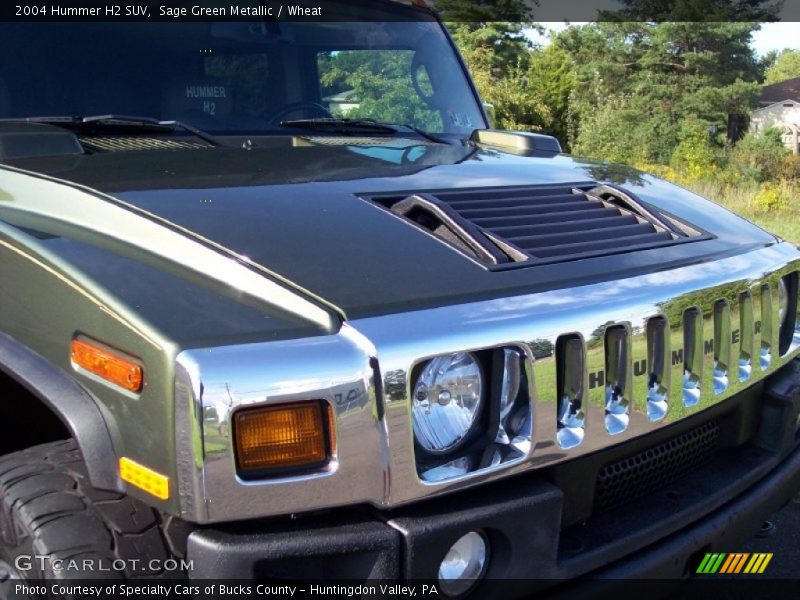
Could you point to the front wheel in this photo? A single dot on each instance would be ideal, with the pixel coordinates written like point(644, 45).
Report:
point(55, 526)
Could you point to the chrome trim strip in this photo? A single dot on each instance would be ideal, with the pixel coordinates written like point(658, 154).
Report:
point(537, 321)
point(572, 387)
point(655, 388)
point(618, 390)
point(766, 330)
point(745, 341)
point(723, 346)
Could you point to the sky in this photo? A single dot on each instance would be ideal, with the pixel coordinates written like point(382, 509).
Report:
point(772, 36)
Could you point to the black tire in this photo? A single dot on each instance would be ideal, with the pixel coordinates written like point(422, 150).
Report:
point(49, 509)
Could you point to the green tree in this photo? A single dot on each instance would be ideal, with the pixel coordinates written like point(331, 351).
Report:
point(552, 74)
point(491, 37)
point(502, 46)
point(786, 66)
point(381, 85)
point(517, 99)
point(638, 82)
point(493, 28)
point(694, 11)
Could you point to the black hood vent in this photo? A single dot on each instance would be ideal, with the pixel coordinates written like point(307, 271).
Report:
point(129, 143)
point(516, 226)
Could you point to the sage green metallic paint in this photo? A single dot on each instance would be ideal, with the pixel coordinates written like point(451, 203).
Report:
point(45, 301)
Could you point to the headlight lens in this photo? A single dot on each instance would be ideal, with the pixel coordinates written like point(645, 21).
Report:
point(447, 399)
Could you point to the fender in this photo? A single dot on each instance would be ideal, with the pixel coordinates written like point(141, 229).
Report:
point(70, 402)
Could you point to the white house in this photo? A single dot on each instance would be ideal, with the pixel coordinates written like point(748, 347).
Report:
point(342, 103)
point(780, 107)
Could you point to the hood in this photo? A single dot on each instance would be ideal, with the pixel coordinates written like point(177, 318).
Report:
point(301, 212)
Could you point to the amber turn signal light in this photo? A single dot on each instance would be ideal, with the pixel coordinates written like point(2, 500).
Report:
point(107, 365)
point(289, 436)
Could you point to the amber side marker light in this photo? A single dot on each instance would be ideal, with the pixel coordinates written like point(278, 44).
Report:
point(107, 365)
point(282, 437)
point(143, 478)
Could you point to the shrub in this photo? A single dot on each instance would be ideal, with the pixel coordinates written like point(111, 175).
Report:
point(695, 156)
point(790, 169)
point(769, 198)
point(759, 157)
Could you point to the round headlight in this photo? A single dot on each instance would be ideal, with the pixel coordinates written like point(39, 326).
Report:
point(464, 564)
point(783, 300)
point(447, 399)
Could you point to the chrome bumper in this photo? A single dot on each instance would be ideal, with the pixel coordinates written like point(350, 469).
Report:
point(728, 342)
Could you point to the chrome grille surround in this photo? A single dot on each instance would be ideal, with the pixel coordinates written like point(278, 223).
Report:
point(364, 372)
point(694, 301)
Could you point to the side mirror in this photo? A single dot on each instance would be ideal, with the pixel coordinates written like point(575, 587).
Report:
point(521, 143)
point(491, 114)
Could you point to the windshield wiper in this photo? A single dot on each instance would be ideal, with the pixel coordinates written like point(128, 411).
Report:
point(145, 123)
point(346, 126)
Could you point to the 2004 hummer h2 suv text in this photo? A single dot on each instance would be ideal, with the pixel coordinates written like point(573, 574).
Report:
point(277, 302)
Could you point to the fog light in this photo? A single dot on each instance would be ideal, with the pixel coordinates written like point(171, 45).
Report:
point(447, 399)
point(464, 564)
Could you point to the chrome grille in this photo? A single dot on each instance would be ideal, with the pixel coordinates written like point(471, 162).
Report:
point(611, 362)
point(653, 469)
point(666, 367)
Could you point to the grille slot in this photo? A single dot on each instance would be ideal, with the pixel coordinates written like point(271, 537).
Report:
point(653, 469)
point(548, 224)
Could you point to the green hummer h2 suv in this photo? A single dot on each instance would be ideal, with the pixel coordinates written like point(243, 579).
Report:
point(276, 302)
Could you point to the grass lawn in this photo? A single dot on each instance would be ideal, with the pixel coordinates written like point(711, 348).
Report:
point(784, 222)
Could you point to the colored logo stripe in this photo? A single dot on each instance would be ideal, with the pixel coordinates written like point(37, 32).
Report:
point(711, 563)
point(734, 563)
point(758, 564)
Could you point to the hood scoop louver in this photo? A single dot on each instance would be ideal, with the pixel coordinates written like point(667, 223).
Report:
point(532, 225)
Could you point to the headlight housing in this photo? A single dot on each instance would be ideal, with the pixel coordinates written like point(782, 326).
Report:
point(447, 401)
point(470, 410)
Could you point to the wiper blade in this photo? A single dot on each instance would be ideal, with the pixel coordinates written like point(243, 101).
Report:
point(339, 125)
point(421, 132)
point(359, 126)
point(148, 122)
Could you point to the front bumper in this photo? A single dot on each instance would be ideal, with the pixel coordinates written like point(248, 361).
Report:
point(534, 543)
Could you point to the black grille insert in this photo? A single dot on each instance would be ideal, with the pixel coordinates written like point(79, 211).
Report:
point(653, 469)
point(514, 226)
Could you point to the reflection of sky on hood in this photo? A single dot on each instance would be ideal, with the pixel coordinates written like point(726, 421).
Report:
point(582, 309)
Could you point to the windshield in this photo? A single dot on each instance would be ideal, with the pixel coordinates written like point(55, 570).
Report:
point(232, 77)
